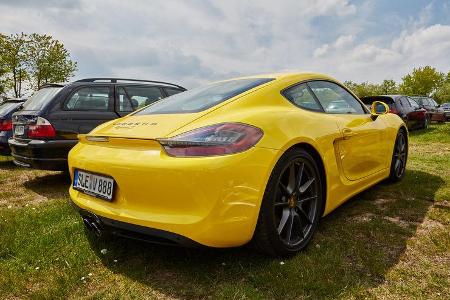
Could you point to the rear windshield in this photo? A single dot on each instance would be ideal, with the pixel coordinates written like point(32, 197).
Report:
point(202, 98)
point(7, 107)
point(40, 98)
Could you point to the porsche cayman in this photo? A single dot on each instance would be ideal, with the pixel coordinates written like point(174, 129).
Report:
point(257, 158)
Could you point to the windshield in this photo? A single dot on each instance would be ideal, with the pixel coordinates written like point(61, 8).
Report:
point(202, 98)
point(40, 98)
point(7, 107)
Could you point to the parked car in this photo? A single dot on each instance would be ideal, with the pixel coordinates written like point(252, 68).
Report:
point(7, 108)
point(404, 107)
point(434, 111)
point(257, 158)
point(47, 126)
point(446, 108)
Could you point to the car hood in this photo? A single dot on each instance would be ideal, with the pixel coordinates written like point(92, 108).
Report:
point(145, 126)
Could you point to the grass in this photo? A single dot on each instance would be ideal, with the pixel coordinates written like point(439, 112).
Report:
point(391, 241)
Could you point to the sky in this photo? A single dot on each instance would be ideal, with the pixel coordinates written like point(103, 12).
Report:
point(193, 42)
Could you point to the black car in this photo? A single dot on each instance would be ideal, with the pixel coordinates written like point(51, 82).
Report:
point(47, 126)
point(403, 106)
point(7, 108)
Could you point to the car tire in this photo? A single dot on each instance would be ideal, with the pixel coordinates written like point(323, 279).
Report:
point(399, 157)
point(291, 206)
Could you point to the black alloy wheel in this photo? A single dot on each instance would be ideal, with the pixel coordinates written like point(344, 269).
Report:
point(291, 206)
point(399, 157)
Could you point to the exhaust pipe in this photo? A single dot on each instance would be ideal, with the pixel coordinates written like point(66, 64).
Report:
point(93, 225)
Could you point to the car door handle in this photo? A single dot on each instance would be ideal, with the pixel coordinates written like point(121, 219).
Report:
point(348, 133)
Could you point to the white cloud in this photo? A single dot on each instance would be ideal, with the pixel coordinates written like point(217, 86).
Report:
point(375, 61)
point(322, 50)
point(343, 41)
point(191, 42)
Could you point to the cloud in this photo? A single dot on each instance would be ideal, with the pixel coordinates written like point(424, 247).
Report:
point(192, 42)
point(322, 50)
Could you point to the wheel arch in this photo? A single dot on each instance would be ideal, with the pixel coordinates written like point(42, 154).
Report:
point(320, 164)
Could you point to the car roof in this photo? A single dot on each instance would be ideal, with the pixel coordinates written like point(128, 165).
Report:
point(113, 81)
point(286, 75)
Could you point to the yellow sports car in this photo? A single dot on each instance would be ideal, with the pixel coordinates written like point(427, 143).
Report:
point(257, 158)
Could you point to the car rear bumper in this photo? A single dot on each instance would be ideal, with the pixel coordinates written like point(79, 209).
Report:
point(100, 225)
point(213, 201)
point(40, 154)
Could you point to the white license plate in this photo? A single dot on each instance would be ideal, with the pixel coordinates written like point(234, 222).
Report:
point(93, 184)
point(19, 130)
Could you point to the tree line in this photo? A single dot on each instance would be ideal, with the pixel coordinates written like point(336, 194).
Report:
point(29, 61)
point(423, 81)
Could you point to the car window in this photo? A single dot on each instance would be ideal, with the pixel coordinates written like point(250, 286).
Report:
point(204, 97)
point(404, 102)
point(413, 103)
point(130, 98)
point(89, 98)
point(301, 96)
point(41, 98)
point(171, 92)
point(335, 99)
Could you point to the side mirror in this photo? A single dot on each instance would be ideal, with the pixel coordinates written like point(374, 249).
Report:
point(378, 108)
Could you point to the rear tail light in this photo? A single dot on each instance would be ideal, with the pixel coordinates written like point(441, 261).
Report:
point(393, 110)
point(42, 129)
point(219, 139)
point(5, 125)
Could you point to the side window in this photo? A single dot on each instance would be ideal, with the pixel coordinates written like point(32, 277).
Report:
point(130, 98)
point(302, 97)
point(335, 99)
point(89, 98)
point(413, 103)
point(404, 101)
point(171, 91)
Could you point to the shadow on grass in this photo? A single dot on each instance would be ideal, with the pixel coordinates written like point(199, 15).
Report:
point(54, 185)
point(352, 250)
point(6, 163)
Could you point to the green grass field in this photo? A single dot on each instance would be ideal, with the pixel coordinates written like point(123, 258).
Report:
point(390, 242)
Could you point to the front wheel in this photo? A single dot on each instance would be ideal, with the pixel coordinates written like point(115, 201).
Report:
point(291, 207)
point(399, 157)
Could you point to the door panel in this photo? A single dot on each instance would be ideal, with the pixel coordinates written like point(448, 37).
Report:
point(361, 150)
point(84, 109)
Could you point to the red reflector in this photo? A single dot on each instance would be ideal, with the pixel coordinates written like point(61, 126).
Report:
point(5, 125)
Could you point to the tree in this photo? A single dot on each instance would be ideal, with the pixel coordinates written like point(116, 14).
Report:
point(422, 81)
point(442, 95)
point(388, 87)
point(34, 59)
point(12, 52)
point(363, 89)
point(48, 61)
